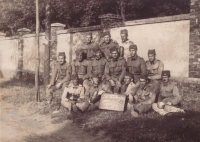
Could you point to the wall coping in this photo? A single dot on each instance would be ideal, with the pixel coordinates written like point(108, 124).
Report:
point(32, 35)
point(9, 38)
point(158, 20)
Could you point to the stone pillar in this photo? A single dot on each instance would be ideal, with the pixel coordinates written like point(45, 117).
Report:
point(194, 48)
point(53, 51)
point(2, 35)
point(110, 21)
point(21, 32)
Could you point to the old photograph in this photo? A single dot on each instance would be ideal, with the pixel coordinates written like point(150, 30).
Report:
point(99, 70)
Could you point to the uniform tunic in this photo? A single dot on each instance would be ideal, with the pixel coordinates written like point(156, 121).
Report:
point(105, 48)
point(97, 66)
point(136, 66)
point(88, 49)
point(154, 69)
point(115, 69)
point(126, 45)
point(81, 68)
point(169, 93)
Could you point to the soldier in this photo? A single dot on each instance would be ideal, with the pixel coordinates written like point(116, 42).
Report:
point(87, 46)
point(97, 64)
point(168, 97)
point(115, 69)
point(128, 84)
point(125, 43)
point(96, 89)
point(73, 97)
point(135, 64)
point(141, 98)
point(106, 44)
point(60, 76)
point(80, 66)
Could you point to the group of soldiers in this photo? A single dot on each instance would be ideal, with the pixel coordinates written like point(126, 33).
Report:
point(113, 68)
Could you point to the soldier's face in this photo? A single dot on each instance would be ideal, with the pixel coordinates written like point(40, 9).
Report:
point(127, 80)
point(88, 38)
point(142, 83)
point(133, 52)
point(106, 38)
point(98, 55)
point(95, 80)
point(61, 59)
point(124, 37)
point(75, 82)
point(165, 79)
point(79, 57)
point(151, 57)
point(114, 54)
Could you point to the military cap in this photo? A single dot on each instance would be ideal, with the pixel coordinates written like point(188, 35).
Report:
point(96, 49)
point(61, 54)
point(133, 46)
point(88, 33)
point(166, 73)
point(152, 51)
point(79, 51)
point(113, 48)
point(124, 31)
point(106, 33)
point(74, 76)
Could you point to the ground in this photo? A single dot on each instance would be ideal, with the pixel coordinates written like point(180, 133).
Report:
point(23, 119)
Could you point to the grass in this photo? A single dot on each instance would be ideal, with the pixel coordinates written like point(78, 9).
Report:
point(120, 126)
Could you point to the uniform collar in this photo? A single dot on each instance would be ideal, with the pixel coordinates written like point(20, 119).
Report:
point(134, 58)
point(152, 63)
point(125, 41)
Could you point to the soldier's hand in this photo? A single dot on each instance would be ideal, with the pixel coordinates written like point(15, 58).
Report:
point(112, 82)
point(58, 85)
point(49, 86)
point(118, 83)
point(101, 92)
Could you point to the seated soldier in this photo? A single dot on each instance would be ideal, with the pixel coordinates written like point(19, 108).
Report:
point(127, 84)
point(73, 97)
point(115, 69)
point(60, 76)
point(141, 97)
point(168, 97)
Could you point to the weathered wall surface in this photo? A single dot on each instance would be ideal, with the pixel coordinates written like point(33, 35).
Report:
point(169, 39)
point(8, 57)
point(29, 53)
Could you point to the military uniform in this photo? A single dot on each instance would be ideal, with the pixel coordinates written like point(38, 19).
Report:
point(97, 66)
point(154, 69)
point(115, 70)
point(142, 98)
point(168, 92)
point(73, 97)
point(61, 74)
point(105, 48)
point(136, 66)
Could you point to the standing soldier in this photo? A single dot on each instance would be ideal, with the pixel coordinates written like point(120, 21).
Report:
point(106, 44)
point(60, 76)
point(154, 69)
point(168, 97)
point(87, 46)
point(80, 66)
point(115, 69)
point(125, 43)
point(135, 64)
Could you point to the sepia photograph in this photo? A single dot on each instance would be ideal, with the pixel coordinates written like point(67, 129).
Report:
point(99, 70)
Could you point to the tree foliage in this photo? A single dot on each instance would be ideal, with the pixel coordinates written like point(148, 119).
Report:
point(78, 13)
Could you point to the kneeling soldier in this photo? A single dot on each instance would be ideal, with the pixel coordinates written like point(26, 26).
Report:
point(168, 96)
point(115, 69)
point(142, 97)
point(60, 76)
point(73, 97)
